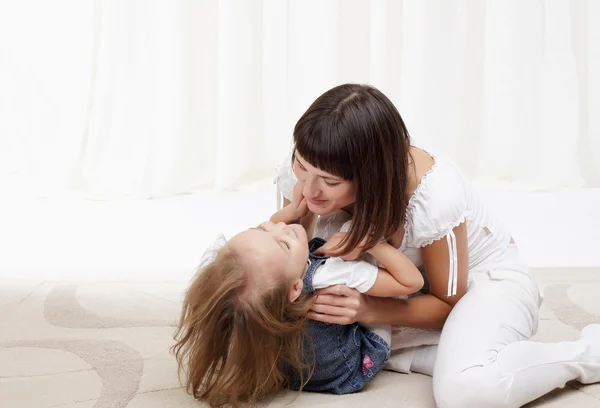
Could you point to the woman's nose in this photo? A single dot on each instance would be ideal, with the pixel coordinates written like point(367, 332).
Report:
point(309, 189)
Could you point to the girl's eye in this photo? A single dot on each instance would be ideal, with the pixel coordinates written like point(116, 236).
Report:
point(332, 184)
point(287, 244)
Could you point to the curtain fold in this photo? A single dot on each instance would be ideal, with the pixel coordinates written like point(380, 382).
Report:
point(146, 98)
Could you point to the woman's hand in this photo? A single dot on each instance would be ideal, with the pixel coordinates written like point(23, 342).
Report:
point(339, 304)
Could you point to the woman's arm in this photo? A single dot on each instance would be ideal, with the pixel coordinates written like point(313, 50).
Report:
point(341, 305)
point(438, 259)
point(425, 311)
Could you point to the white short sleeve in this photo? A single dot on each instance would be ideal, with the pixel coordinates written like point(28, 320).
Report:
point(285, 177)
point(359, 275)
point(439, 204)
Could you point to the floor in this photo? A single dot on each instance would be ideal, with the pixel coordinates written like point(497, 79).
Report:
point(106, 345)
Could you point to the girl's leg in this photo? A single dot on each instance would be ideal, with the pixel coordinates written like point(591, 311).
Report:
point(485, 358)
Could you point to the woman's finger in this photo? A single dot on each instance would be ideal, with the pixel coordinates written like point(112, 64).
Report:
point(339, 290)
point(331, 300)
point(330, 310)
point(329, 319)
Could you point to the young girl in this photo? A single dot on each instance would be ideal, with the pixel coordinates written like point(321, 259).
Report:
point(243, 334)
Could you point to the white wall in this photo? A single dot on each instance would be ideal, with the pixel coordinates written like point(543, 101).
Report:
point(165, 239)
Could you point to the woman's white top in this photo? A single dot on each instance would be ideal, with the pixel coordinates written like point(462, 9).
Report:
point(444, 199)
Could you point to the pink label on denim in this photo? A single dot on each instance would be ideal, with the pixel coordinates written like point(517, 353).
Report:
point(367, 363)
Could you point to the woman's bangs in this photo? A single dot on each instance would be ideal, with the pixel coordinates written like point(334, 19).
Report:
point(323, 147)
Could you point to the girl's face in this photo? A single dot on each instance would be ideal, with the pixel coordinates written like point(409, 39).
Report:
point(324, 192)
point(275, 252)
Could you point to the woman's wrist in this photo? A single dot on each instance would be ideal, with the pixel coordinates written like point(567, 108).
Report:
point(366, 310)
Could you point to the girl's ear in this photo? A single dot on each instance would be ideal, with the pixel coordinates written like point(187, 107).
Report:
point(295, 290)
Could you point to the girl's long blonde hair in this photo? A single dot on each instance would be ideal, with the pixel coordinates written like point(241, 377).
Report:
point(234, 344)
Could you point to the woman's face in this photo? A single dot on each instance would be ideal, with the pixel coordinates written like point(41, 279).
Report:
point(324, 192)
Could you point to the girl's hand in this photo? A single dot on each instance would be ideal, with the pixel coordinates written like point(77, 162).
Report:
point(339, 305)
point(332, 248)
point(295, 210)
point(299, 204)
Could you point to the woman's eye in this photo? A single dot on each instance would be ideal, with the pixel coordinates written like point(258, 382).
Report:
point(332, 184)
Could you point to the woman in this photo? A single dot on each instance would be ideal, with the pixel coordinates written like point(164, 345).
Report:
point(352, 153)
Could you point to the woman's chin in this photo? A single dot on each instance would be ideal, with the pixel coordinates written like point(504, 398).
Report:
point(320, 209)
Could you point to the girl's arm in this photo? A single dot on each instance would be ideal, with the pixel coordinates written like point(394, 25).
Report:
point(296, 211)
point(287, 214)
point(342, 305)
point(400, 276)
point(290, 214)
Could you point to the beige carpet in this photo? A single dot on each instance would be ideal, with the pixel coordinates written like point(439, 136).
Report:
point(105, 345)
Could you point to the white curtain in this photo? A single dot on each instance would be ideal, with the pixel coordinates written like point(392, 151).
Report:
point(149, 98)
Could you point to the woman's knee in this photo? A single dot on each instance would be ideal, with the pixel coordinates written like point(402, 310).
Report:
point(474, 387)
point(449, 391)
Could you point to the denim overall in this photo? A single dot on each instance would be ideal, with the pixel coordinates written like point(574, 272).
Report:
point(346, 357)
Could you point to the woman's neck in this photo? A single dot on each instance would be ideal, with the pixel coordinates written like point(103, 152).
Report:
point(419, 163)
point(349, 209)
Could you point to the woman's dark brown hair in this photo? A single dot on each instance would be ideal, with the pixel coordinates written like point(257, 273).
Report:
point(236, 342)
point(355, 132)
